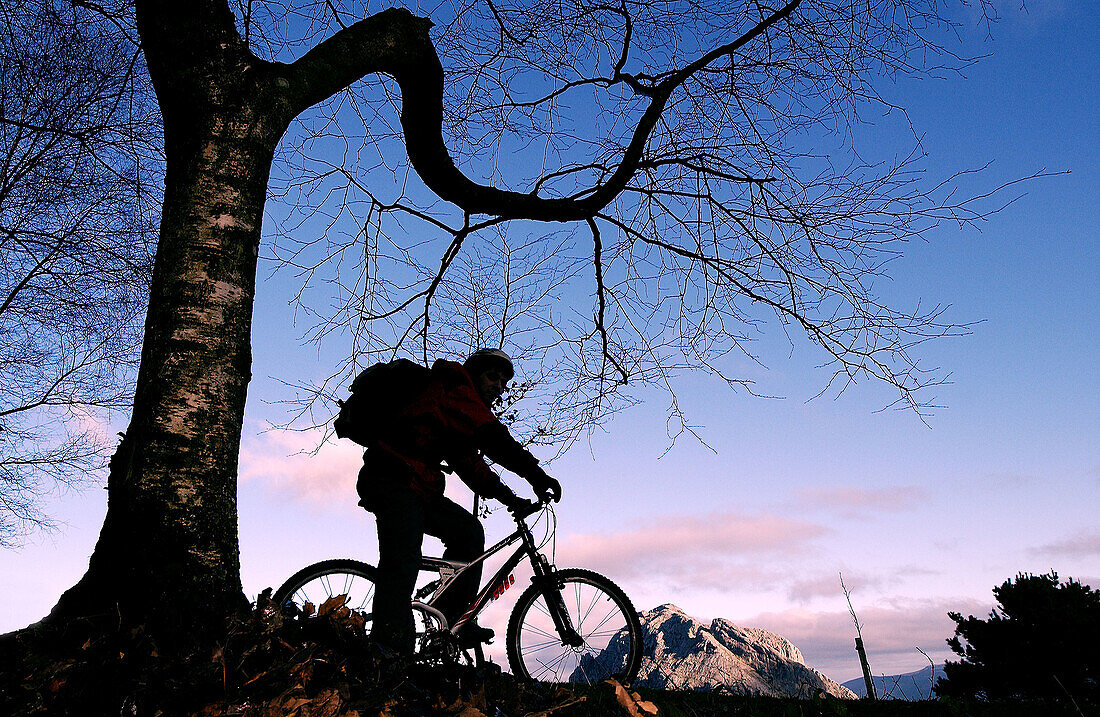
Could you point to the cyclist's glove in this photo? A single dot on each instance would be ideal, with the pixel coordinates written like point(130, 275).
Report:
point(515, 504)
point(545, 487)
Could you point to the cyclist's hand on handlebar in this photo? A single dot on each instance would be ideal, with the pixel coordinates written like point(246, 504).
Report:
point(517, 505)
point(525, 508)
point(547, 488)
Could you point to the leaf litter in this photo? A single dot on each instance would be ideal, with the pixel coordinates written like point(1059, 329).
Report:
point(282, 662)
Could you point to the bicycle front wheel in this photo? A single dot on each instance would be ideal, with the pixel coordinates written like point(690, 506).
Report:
point(599, 612)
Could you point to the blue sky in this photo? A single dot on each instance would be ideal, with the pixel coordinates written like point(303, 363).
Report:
point(921, 519)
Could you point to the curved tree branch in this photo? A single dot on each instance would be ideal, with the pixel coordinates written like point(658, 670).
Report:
point(397, 43)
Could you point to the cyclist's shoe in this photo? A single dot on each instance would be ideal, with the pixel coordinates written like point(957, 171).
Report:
point(473, 635)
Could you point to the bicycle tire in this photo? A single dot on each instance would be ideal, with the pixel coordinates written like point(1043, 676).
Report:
point(344, 576)
point(328, 578)
point(602, 615)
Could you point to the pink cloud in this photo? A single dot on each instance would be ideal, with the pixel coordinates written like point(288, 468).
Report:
point(290, 461)
point(703, 551)
point(1084, 544)
point(807, 589)
point(892, 632)
point(852, 500)
point(827, 585)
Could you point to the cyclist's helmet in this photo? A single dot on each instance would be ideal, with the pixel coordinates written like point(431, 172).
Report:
point(485, 359)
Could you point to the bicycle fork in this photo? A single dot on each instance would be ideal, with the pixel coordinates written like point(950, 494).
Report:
point(546, 579)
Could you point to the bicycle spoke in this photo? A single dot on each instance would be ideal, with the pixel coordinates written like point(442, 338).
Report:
point(540, 646)
point(609, 616)
point(584, 672)
point(582, 615)
point(541, 608)
point(602, 617)
point(546, 670)
point(540, 631)
point(552, 666)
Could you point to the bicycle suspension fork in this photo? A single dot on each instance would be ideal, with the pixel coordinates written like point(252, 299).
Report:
point(546, 579)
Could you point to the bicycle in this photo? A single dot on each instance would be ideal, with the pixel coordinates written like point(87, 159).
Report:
point(570, 625)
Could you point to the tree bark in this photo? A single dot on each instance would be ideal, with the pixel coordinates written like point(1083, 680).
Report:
point(168, 555)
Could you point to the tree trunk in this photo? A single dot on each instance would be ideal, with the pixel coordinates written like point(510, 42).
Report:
point(868, 681)
point(167, 555)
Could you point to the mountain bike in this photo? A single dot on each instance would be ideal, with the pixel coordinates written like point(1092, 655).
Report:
point(570, 625)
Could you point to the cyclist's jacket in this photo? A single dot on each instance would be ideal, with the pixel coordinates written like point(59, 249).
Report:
point(447, 422)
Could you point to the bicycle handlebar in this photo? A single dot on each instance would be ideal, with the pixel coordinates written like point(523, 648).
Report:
point(530, 508)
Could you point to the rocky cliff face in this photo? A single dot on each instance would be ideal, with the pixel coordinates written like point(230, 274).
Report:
point(682, 653)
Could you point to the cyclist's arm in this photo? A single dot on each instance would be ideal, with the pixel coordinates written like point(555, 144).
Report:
point(473, 423)
point(497, 443)
point(476, 474)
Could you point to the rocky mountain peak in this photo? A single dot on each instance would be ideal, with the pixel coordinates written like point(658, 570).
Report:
point(683, 653)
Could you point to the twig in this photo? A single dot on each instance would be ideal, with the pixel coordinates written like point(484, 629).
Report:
point(932, 677)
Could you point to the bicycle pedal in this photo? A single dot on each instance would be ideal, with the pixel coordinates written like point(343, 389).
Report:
point(475, 635)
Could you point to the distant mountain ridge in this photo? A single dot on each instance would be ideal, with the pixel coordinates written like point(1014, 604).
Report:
point(681, 653)
point(909, 686)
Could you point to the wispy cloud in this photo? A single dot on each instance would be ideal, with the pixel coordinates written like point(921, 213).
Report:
point(1083, 544)
point(854, 501)
point(805, 590)
point(827, 585)
point(290, 461)
point(891, 633)
point(701, 551)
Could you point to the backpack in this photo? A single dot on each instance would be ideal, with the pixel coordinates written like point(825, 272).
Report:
point(378, 394)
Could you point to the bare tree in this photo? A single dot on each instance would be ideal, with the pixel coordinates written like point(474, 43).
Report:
point(673, 137)
point(75, 248)
point(704, 156)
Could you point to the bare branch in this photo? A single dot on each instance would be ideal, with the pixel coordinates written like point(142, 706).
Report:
point(79, 166)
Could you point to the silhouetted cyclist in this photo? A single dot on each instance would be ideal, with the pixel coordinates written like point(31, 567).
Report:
point(402, 483)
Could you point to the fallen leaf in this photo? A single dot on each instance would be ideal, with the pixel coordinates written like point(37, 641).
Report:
point(331, 604)
point(632, 702)
point(646, 707)
point(327, 704)
point(471, 711)
point(288, 706)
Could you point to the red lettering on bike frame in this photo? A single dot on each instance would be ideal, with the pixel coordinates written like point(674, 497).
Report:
point(504, 585)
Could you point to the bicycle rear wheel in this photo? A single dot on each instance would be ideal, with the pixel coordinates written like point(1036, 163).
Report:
point(321, 581)
point(317, 583)
point(602, 616)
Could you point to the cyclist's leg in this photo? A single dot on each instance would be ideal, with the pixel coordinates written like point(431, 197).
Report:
point(463, 539)
point(400, 520)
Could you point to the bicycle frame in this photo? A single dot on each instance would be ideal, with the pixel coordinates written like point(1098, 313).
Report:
point(449, 571)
